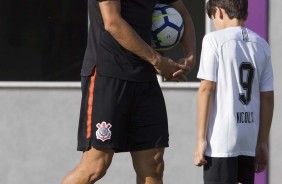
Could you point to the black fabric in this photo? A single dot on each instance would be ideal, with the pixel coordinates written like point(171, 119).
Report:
point(134, 111)
point(246, 169)
point(229, 170)
point(104, 51)
point(166, 1)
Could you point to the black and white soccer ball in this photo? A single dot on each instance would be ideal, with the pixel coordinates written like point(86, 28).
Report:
point(167, 27)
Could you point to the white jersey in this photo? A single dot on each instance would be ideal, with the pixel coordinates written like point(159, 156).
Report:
point(238, 60)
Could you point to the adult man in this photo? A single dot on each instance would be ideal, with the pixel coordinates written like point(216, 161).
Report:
point(125, 109)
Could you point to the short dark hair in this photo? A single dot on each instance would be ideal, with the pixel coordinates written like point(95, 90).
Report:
point(234, 8)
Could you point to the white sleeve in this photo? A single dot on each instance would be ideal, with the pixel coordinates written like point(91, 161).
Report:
point(266, 80)
point(209, 61)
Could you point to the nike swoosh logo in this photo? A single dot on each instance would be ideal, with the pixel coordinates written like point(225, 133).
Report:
point(155, 18)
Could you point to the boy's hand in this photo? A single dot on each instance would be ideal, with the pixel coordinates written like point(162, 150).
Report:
point(199, 158)
point(261, 159)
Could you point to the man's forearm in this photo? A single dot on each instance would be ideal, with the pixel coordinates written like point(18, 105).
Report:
point(188, 40)
point(130, 40)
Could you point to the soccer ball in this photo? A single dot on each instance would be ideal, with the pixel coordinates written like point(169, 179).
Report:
point(167, 27)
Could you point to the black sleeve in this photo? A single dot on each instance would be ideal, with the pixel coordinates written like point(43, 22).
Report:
point(167, 1)
point(106, 0)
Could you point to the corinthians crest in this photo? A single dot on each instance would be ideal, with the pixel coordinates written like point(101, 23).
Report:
point(103, 133)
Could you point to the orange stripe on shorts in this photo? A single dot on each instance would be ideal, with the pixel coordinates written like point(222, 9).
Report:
point(90, 104)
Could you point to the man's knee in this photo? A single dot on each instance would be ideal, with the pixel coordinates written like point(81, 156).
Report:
point(159, 163)
point(90, 172)
point(92, 167)
point(155, 165)
point(149, 163)
point(97, 173)
point(152, 173)
point(96, 165)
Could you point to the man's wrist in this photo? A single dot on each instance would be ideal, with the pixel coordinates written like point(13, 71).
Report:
point(156, 60)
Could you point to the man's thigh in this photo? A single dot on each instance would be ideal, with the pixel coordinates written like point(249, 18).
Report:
point(149, 125)
point(96, 158)
point(122, 115)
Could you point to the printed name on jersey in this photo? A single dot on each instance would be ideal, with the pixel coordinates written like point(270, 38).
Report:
point(103, 132)
point(245, 117)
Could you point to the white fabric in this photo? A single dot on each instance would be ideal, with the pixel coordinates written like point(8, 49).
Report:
point(233, 126)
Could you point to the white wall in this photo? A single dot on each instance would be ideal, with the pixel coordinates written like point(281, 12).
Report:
point(275, 40)
point(38, 137)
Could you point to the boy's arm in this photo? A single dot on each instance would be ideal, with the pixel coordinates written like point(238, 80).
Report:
point(266, 113)
point(130, 40)
point(205, 99)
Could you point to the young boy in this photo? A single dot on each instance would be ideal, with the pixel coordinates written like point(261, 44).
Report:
point(235, 98)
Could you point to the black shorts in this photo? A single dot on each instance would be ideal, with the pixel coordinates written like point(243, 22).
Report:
point(230, 170)
point(121, 115)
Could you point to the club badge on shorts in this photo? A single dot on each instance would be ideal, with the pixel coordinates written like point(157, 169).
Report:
point(103, 133)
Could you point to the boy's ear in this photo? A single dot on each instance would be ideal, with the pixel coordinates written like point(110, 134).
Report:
point(220, 13)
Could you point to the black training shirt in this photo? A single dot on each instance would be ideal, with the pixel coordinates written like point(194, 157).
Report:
point(104, 52)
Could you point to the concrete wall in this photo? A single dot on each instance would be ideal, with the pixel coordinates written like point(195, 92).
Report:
point(37, 134)
point(275, 40)
point(38, 137)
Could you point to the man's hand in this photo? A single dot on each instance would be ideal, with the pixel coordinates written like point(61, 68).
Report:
point(167, 67)
point(199, 158)
point(187, 66)
point(261, 159)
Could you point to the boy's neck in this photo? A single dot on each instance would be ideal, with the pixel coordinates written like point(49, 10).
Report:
point(234, 23)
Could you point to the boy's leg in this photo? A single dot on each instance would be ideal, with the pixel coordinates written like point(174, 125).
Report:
point(221, 170)
point(149, 165)
point(246, 169)
point(93, 166)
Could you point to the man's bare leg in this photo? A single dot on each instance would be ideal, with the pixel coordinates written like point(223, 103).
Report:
point(149, 166)
point(93, 166)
